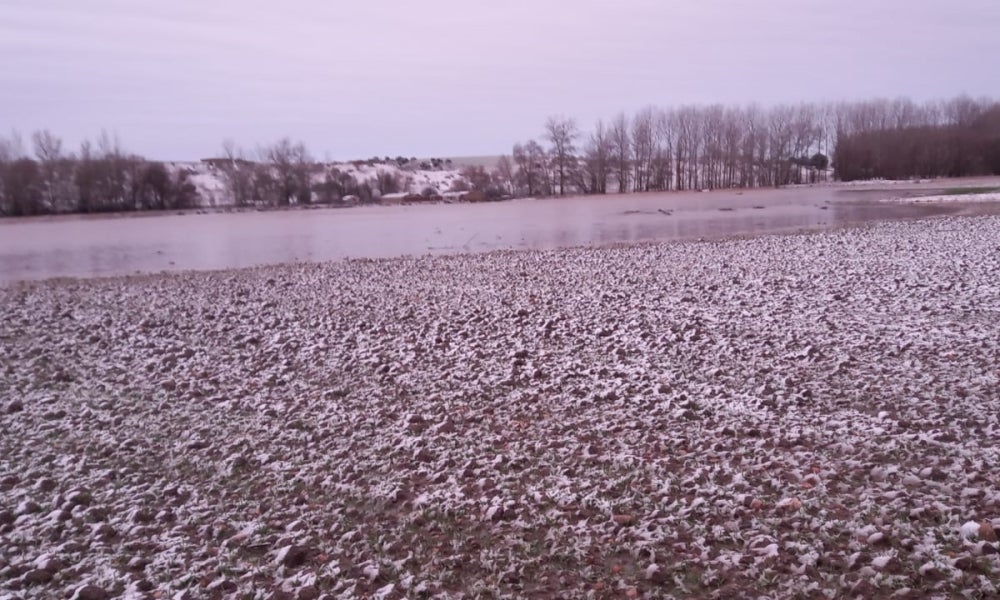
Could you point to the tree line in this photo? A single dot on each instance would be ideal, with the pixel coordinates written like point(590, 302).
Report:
point(655, 149)
point(716, 146)
point(101, 177)
point(40, 177)
point(954, 139)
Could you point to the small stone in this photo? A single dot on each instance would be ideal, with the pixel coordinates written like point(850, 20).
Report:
point(142, 515)
point(49, 563)
point(71, 548)
point(12, 571)
point(293, 556)
point(225, 586)
point(137, 564)
point(969, 529)
point(989, 549)
point(36, 577)
point(309, 592)
point(45, 484)
point(79, 498)
point(423, 455)
point(987, 532)
point(15, 406)
point(624, 520)
point(96, 515)
point(929, 571)
point(90, 592)
point(789, 504)
point(28, 507)
point(104, 532)
point(863, 589)
point(166, 516)
point(656, 574)
point(61, 515)
point(887, 563)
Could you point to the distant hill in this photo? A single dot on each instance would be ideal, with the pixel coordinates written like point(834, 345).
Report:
point(209, 179)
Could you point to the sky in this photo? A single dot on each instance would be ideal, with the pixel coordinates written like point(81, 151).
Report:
point(174, 79)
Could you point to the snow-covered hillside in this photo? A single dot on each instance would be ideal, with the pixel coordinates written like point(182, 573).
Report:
point(213, 190)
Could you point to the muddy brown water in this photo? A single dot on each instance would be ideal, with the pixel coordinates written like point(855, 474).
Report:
point(88, 246)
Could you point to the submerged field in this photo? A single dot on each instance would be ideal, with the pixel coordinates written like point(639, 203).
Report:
point(785, 416)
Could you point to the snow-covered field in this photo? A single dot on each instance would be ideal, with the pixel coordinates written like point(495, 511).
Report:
point(786, 416)
point(985, 197)
point(829, 181)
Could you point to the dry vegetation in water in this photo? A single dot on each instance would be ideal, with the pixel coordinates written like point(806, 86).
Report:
point(800, 416)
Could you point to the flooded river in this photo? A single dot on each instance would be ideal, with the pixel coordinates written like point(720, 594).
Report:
point(85, 246)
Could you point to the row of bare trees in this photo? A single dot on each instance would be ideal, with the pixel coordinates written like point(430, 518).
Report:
point(100, 177)
point(691, 147)
point(284, 173)
point(42, 178)
point(954, 139)
point(707, 147)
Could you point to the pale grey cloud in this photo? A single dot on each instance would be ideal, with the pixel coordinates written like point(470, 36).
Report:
point(449, 77)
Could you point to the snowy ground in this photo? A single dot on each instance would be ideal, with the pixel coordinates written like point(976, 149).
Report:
point(986, 197)
point(831, 182)
point(787, 416)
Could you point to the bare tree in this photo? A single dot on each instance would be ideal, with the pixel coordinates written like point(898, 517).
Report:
point(388, 182)
point(57, 172)
point(593, 178)
point(21, 180)
point(621, 150)
point(662, 166)
point(505, 174)
point(238, 172)
point(687, 123)
point(23, 188)
point(542, 164)
point(290, 165)
point(478, 177)
point(524, 176)
point(532, 168)
point(106, 177)
point(11, 148)
point(562, 132)
point(643, 148)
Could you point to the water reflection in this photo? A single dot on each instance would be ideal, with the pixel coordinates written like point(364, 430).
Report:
point(89, 246)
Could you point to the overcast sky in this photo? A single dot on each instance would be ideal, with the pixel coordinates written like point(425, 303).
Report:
point(457, 77)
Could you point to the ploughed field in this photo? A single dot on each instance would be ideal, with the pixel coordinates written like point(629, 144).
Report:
point(785, 416)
